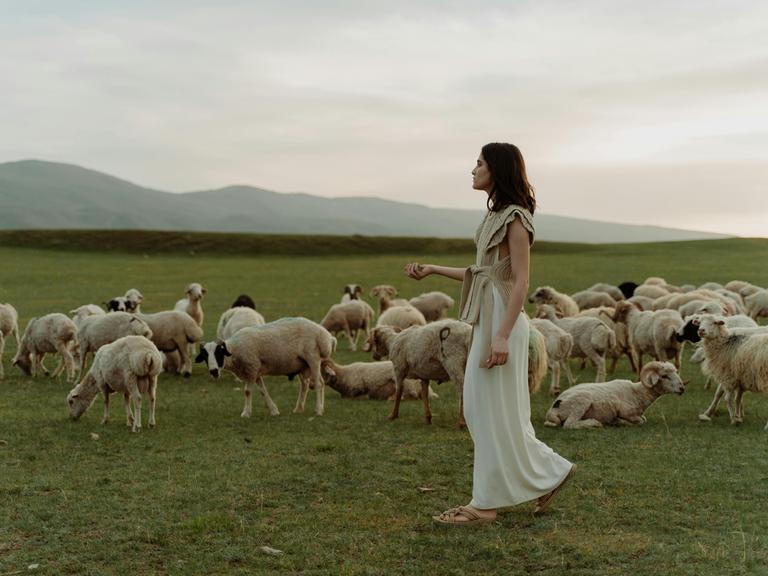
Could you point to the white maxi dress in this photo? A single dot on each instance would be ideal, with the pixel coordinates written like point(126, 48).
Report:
point(511, 465)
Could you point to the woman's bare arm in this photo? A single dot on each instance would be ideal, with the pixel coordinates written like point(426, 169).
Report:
point(418, 271)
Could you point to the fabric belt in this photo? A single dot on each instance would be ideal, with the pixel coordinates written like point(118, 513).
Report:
point(476, 295)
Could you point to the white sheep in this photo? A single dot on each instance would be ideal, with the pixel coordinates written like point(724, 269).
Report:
point(616, 402)
point(651, 291)
point(613, 291)
point(97, 330)
point(385, 293)
point(592, 339)
point(710, 286)
point(129, 302)
point(559, 344)
point(651, 332)
point(564, 305)
point(436, 351)
point(173, 331)
point(605, 314)
point(350, 318)
point(351, 292)
point(84, 311)
point(538, 360)
point(401, 317)
point(236, 318)
point(736, 285)
point(376, 380)
point(192, 302)
point(49, 334)
point(757, 304)
point(644, 302)
point(433, 305)
point(748, 290)
point(9, 325)
point(288, 346)
point(591, 299)
point(129, 365)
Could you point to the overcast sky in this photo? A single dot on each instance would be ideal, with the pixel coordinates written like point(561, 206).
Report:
point(638, 112)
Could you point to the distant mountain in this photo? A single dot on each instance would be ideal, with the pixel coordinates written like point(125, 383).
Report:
point(45, 195)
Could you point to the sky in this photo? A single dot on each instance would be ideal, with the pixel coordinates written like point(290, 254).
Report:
point(625, 111)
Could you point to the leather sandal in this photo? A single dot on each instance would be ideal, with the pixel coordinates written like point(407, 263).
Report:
point(472, 518)
point(544, 501)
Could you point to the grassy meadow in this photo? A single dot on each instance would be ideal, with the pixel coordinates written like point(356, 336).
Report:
point(351, 492)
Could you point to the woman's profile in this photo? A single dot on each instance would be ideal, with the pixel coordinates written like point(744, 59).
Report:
point(511, 465)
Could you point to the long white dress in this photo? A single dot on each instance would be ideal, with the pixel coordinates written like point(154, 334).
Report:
point(511, 465)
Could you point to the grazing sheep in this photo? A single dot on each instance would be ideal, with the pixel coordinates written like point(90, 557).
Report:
point(710, 286)
point(236, 318)
point(376, 380)
point(616, 402)
point(564, 305)
point(654, 281)
point(349, 318)
point(643, 302)
point(97, 330)
point(385, 293)
point(9, 324)
point(748, 290)
point(559, 344)
point(605, 314)
point(591, 299)
point(651, 291)
point(436, 351)
point(49, 334)
point(288, 346)
point(129, 302)
point(592, 339)
point(84, 311)
point(129, 365)
point(687, 288)
point(245, 301)
point(737, 361)
point(432, 305)
point(613, 291)
point(401, 317)
point(736, 285)
point(173, 331)
point(675, 301)
point(757, 304)
point(351, 292)
point(651, 333)
point(701, 307)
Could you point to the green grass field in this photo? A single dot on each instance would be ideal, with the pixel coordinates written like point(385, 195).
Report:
point(351, 492)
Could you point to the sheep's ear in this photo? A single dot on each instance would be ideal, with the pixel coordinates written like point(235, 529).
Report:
point(223, 348)
point(720, 322)
point(653, 379)
point(202, 356)
point(328, 369)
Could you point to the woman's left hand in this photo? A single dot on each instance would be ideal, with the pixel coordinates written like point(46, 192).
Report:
point(499, 352)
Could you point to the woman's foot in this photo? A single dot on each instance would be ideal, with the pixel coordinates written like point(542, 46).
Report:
point(544, 501)
point(465, 515)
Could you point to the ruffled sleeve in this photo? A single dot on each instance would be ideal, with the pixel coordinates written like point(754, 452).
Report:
point(496, 229)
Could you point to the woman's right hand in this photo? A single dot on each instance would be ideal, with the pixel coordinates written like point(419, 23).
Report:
point(417, 271)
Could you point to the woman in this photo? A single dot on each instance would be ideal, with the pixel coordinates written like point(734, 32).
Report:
point(511, 466)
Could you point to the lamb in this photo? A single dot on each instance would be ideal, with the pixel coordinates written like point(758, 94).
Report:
point(436, 351)
point(651, 333)
point(737, 361)
point(49, 334)
point(613, 291)
point(432, 305)
point(9, 324)
point(592, 339)
point(558, 343)
point(376, 380)
point(351, 292)
point(192, 304)
point(615, 402)
point(288, 346)
point(757, 304)
point(97, 330)
point(564, 305)
point(349, 318)
point(236, 318)
point(591, 299)
point(129, 365)
point(173, 330)
point(385, 293)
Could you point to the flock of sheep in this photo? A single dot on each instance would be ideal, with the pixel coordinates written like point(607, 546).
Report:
point(602, 323)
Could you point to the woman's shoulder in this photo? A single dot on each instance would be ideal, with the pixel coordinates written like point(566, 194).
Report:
point(496, 222)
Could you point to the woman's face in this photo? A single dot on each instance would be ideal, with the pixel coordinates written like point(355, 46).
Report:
point(481, 176)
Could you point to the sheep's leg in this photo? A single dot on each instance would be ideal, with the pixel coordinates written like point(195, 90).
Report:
point(67, 360)
point(632, 419)
point(135, 399)
point(16, 335)
point(38, 365)
point(708, 383)
point(152, 399)
point(186, 360)
point(600, 363)
point(614, 363)
point(2, 349)
point(273, 411)
point(105, 418)
point(304, 386)
point(554, 387)
point(736, 417)
point(712, 408)
point(730, 403)
point(632, 364)
point(317, 380)
point(574, 421)
point(83, 359)
point(639, 361)
point(425, 401)
point(59, 368)
point(399, 386)
point(567, 365)
point(353, 339)
point(348, 333)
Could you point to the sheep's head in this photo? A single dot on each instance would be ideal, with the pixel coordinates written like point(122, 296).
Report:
point(690, 330)
point(213, 354)
point(711, 308)
point(383, 291)
point(24, 363)
point(117, 304)
point(663, 377)
point(546, 311)
point(354, 291)
point(140, 328)
point(379, 342)
point(711, 326)
point(195, 291)
point(327, 372)
point(82, 396)
point(542, 295)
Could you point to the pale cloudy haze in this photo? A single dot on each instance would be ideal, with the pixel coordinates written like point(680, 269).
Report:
point(636, 112)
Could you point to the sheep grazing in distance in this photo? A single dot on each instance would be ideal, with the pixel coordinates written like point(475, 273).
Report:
point(9, 325)
point(288, 346)
point(616, 402)
point(687, 288)
point(651, 291)
point(559, 344)
point(749, 289)
point(245, 301)
point(351, 292)
point(710, 286)
point(436, 351)
point(350, 318)
point(701, 307)
point(654, 281)
point(49, 334)
point(590, 299)
point(737, 361)
point(613, 291)
point(650, 332)
point(757, 304)
point(643, 302)
point(605, 315)
point(129, 365)
point(129, 302)
point(173, 331)
point(432, 305)
point(192, 303)
point(401, 317)
point(84, 311)
point(592, 339)
point(376, 380)
point(97, 330)
point(235, 319)
point(385, 293)
point(736, 285)
point(564, 305)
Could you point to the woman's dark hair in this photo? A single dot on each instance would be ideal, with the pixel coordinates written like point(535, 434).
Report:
point(510, 181)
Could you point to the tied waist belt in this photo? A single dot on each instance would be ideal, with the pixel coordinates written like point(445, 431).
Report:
point(476, 295)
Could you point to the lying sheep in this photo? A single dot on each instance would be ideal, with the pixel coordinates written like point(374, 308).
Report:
point(49, 334)
point(651, 332)
point(432, 305)
point(288, 346)
point(613, 291)
point(97, 330)
point(385, 293)
point(236, 318)
point(757, 304)
point(9, 325)
point(436, 351)
point(616, 402)
point(735, 285)
point(173, 331)
point(129, 365)
point(350, 318)
point(559, 344)
point(563, 304)
point(351, 292)
point(591, 299)
point(376, 380)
